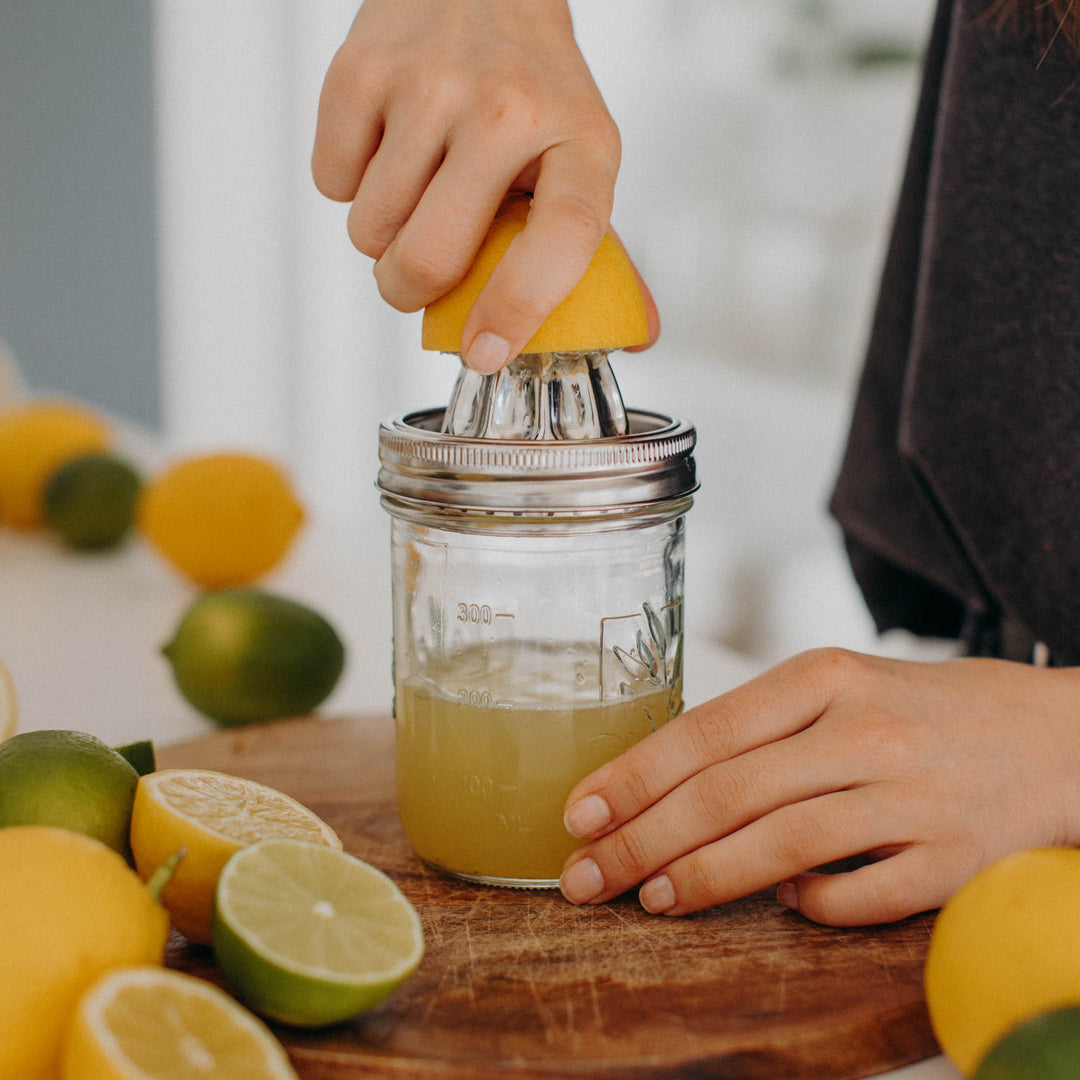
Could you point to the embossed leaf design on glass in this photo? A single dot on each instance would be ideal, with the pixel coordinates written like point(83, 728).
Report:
point(655, 659)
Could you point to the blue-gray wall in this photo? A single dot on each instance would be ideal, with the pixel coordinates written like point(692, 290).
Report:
point(77, 261)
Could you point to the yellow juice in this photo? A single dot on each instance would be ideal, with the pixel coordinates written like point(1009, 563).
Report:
point(482, 778)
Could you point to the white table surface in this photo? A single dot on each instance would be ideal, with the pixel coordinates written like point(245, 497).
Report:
point(81, 635)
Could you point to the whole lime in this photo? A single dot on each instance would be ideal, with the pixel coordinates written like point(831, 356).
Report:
point(69, 779)
point(244, 655)
point(1045, 1048)
point(90, 501)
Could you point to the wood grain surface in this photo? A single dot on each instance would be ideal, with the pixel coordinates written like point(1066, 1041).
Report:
point(517, 982)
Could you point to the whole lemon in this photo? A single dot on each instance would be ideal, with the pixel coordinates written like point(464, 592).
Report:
point(70, 779)
point(244, 655)
point(70, 910)
point(90, 501)
point(1005, 948)
point(221, 519)
point(35, 440)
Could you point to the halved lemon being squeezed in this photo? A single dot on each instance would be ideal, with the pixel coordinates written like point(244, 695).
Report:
point(604, 311)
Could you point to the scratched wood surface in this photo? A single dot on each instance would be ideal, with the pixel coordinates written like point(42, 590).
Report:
point(521, 983)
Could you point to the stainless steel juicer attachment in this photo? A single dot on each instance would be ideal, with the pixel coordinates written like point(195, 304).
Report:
point(543, 396)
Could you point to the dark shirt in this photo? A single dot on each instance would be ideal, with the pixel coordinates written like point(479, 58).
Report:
point(959, 493)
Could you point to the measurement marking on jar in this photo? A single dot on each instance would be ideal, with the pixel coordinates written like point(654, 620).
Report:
point(475, 697)
point(477, 614)
point(504, 614)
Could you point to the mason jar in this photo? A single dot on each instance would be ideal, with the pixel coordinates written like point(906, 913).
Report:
point(537, 623)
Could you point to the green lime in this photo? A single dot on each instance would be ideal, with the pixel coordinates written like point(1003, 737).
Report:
point(309, 935)
point(244, 655)
point(1044, 1048)
point(89, 502)
point(69, 779)
point(140, 755)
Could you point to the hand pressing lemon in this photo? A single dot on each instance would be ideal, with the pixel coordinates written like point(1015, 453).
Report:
point(605, 310)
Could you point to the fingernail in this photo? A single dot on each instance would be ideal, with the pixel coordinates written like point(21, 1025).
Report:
point(657, 895)
point(581, 882)
point(587, 816)
point(487, 353)
point(788, 895)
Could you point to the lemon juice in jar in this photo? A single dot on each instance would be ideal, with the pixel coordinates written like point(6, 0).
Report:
point(482, 777)
point(538, 612)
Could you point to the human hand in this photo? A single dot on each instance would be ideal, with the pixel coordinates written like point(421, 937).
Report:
point(934, 769)
point(430, 112)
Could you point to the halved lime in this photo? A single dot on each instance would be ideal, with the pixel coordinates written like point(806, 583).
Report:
point(309, 935)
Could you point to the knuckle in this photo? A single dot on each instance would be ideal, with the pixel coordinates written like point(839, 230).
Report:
point(710, 733)
point(793, 839)
point(718, 792)
point(698, 881)
point(636, 788)
point(366, 237)
point(424, 270)
point(626, 852)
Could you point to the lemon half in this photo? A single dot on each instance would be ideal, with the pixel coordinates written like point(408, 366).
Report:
point(211, 815)
point(605, 310)
point(158, 1024)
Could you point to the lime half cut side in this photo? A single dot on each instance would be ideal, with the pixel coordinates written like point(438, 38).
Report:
point(309, 935)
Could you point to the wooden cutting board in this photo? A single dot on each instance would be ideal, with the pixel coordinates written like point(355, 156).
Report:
point(521, 982)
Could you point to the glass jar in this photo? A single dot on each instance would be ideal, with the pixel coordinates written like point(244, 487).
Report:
point(538, 627)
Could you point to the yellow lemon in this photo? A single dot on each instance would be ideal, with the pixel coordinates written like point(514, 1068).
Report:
point(221, 519)
point(1004, 949)
point(35, 440)
point(70, 910)
point(211, 815)
point(605, 310)
point(157, 1024)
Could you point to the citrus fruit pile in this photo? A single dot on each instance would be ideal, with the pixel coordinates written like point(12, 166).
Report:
point(302, 932)
point(221, 520)
point(1002, 973)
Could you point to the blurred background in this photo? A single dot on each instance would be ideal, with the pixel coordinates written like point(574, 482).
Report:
point(165, 256)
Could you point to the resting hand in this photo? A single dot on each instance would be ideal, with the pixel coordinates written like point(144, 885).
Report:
point(933, 769)
point(430, 112)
